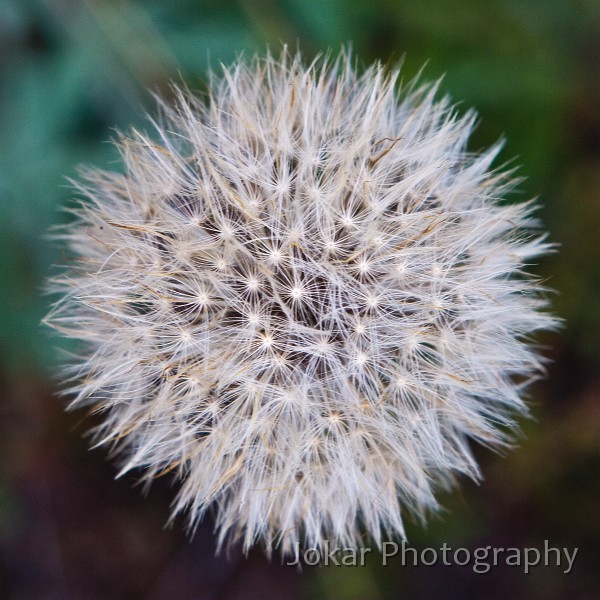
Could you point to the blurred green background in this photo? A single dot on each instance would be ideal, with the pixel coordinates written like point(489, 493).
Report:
point(71, 71)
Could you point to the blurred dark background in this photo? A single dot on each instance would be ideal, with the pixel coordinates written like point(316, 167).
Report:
point(73, 70)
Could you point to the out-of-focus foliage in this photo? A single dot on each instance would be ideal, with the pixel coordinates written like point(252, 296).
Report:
point(73, 70)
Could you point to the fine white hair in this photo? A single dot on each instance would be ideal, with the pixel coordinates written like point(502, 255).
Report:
point(303, 297)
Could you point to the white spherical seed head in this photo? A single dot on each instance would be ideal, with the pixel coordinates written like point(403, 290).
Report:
point(304, 300)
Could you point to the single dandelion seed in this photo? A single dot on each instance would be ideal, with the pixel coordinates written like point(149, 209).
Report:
point(303, 300)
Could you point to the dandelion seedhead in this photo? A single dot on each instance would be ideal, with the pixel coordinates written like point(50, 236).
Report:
point(303, 297)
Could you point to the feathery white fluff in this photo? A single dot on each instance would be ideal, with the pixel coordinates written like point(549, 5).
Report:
point(303, 297)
